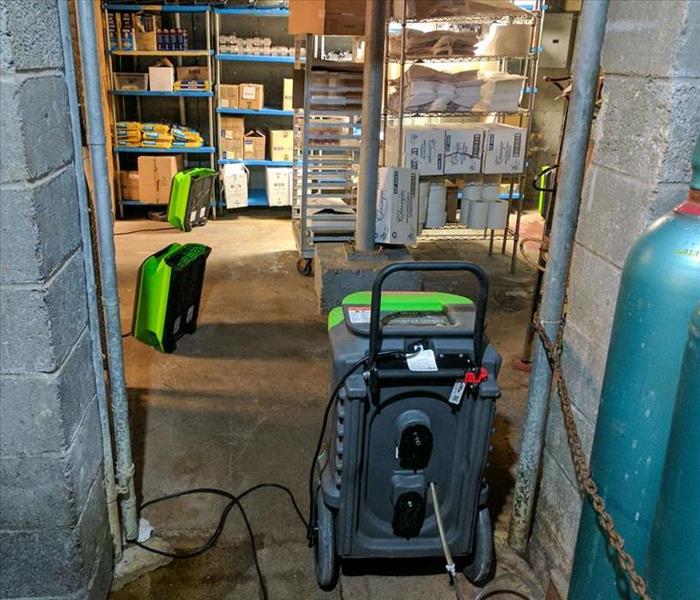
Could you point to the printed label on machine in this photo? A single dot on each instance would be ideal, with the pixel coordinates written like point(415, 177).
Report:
point(359, 314)
point(422, 360)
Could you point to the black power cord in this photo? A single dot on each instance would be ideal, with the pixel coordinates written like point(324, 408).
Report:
point(235, 500)
point(211, 541)
point(171, 229)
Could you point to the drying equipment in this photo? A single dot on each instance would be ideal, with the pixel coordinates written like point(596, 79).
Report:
point(168, 292)
point(190, 197)
point(414, 381)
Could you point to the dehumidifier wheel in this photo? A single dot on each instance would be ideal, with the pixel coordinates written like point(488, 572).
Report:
point(305, 266)
point(482, 565)
point(325, 558)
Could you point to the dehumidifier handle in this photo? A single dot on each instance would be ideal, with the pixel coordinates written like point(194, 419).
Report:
point(375, 333)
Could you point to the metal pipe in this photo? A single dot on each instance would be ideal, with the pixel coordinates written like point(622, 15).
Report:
point(578, 127)
point(93, 314)
point(375, 28)
point(108, 267)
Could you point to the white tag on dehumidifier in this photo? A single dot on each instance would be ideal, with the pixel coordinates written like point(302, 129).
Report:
point(423, 360)
point(457, 392)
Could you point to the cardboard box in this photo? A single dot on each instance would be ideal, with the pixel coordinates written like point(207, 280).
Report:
point(463, 149)
point(254, 145)
point(228, 95)
point(129, 184)
point(235, 185)
point(397, 206)
point(198, 73)
point(288, 94)
point(504, 149)
point(423, 149)
point(161, 79)
point(278, 182)
point(327, 17)
point(281, 144)
point(155, 177)
point(231, 137)
point(251, 96)
point(145, 27)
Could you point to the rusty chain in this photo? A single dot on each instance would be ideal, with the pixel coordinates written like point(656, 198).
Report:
point(583, 472)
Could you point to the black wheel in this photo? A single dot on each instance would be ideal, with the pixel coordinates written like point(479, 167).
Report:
point(305, 266)
point(325, 558)
point(482, 565)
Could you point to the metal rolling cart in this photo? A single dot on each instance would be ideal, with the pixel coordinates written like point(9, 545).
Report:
point(119, 96)
point(525, 65)
point(326, 151)
point(256, 196)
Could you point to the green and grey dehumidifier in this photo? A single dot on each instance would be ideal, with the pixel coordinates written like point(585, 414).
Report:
point(401, 473)
point(168, 292)
point(191, 192)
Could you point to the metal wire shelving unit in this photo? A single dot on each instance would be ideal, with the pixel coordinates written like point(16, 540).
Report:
point(526, 65)
point(326, 151)
point(118, 97)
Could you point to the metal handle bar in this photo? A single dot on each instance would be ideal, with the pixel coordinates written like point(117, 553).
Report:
point(375, 331)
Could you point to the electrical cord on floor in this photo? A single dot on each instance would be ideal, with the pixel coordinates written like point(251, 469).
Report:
point(234, 501)
point(172, 229)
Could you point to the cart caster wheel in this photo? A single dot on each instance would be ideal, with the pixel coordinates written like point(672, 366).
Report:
point(305, 266)
point(482, 567)
point(325, 558)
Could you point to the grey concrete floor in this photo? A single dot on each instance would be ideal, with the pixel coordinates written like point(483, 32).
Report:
point(240, 403)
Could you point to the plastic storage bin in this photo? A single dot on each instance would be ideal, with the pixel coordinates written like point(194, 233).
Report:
point(130, 81)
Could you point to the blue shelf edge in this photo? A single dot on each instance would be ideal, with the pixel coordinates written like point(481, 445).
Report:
point(181, 94)
point(164, 8)
point(255, 163)
point(253, 12)
point(274, 112)
point(139, 150)
point(254, 58)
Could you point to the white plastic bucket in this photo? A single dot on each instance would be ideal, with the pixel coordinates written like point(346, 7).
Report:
point(471, 191)
point(498, 215)
point(464, 211)
point(423, 188)
point(478, 214)
point(437, 206)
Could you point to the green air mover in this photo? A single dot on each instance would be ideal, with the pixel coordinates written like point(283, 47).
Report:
point(168, 292)
point(190, 197)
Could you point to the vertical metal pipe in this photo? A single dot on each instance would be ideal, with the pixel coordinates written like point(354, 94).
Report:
point(108, 267)
point(93, 316)
point(375, 28)
point(583, 95)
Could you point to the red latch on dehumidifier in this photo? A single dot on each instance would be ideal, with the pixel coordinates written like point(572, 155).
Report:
point(476, 377)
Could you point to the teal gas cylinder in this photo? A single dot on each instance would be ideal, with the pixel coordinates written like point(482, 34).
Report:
point(674, 558)
point(659, 289)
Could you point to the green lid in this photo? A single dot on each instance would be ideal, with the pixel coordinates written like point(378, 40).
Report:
point(695, 179)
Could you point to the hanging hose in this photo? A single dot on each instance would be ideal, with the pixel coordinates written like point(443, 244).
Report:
point(543, 242)
point(450, 566)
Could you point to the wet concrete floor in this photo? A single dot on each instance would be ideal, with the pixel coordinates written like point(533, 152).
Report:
point(240, 403)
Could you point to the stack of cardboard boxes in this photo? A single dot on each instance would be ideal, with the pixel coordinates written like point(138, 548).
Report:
point(151, 183)
point(460, 149)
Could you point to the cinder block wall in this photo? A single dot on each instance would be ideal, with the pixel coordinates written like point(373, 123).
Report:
point(644, 138)
point(54, 539)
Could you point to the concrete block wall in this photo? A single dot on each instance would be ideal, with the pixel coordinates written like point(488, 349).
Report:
point(644, 138)
point(54, 538)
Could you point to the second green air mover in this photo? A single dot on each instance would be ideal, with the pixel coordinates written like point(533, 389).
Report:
point(190, 197)
point(168, 293)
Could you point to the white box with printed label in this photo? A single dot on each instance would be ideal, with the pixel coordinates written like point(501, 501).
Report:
point(463, 147)
point(423, 148)
point(504, 149)
point(279, 186)
point(397, 206)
